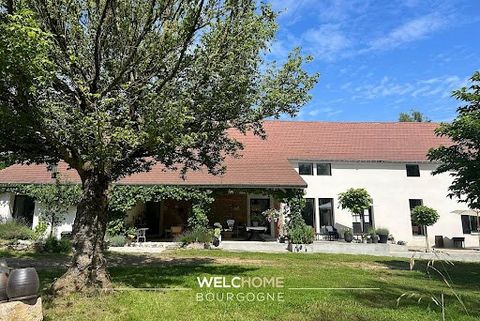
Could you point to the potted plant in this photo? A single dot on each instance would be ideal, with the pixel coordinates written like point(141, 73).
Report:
point(426, 216)
point(256, 219)
point(299, 236)
point(373, 235)
point(348, 235)
point(357, 201)
point(383, 234)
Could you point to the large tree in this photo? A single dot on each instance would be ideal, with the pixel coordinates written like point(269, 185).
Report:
point(462, 157)
point(113, 87)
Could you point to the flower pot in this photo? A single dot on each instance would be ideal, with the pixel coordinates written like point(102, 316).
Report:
point(348, 238)
point(3, 286)
point(375, 238)
point(281, 239)
point(23, 284)
point(383, 238)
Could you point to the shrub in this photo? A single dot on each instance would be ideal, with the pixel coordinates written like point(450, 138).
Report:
point(301, 234)
point(117, 240)
point(196, 235)
point(13, 230)
point(382, 231)
point(40, 230)
point(52, 245)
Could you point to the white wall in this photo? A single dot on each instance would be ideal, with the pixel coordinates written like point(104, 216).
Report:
point(6, 206)
point(391, 189)
point(65, 226)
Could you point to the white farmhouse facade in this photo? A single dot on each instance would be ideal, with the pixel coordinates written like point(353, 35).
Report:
point(392, 192)
point(387, 159)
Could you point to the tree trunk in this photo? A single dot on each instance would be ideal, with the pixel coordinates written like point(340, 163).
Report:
point(426, 239)
point(87, 272)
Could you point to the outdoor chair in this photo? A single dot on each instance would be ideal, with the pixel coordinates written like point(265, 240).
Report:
point(141, 234)
point(332, 233)
point(230, 224)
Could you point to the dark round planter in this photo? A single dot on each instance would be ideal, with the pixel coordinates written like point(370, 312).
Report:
point(383, 238)
point(23, 284)
point(3, 286)
point(375, 238)
point(348, 238)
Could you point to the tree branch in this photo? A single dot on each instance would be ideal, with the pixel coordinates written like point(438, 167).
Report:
point(97, 59)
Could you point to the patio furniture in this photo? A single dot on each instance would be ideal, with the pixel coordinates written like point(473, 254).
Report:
point(255, 233)
point(332, 233)
point(230, 224)
point(439, 241)
point(141, 234)
point(458, 242)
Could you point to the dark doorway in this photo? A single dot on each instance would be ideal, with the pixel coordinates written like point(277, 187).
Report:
point(23, 208)
point(308, 212)
point(152, 217)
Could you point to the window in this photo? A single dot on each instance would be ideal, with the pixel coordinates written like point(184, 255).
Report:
point(324, 169)
point(23, 208)
point(305, 169)
point(416, 229)
point(470, 224)
point(362, 222)
point(308, 212)
point(413, 170)
point(325, 206)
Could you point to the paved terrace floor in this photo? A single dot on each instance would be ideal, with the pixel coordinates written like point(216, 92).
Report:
point(466, 255)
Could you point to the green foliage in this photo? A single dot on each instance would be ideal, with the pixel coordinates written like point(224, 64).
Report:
point(347, 231)
point(423, 215)
point(117, 240)
point(382, 231)
point(461, 158)
point(55, 199)
point(40, 229)
point(372, 231)
point(301, 234)
point(295, 202)
point(413, 116)
point(356, 200)
point(52, 245)
point(13, 230)
point(124, 197)
point(198, 235)
point(119, 94)
point(199, 219)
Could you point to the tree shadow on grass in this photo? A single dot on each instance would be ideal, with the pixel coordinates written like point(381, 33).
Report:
point(181, 274)
point(463, 275)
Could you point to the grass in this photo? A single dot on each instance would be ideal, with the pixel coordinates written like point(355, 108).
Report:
point(180, 269)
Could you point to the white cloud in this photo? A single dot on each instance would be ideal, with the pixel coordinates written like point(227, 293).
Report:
point(412, 30)
point(326, 42)
point(441, 86)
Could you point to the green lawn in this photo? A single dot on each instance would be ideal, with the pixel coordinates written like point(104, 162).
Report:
point(180, 269)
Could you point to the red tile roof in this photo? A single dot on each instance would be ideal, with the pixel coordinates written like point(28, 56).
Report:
point(265, 163)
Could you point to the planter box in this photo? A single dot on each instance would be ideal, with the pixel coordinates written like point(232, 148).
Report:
point(297, 248)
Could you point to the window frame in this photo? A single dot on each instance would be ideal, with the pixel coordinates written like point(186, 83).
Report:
point(415, 173)
point(305, 163)
point(332, 211)
point(329, 169)
point(472, 227)
point(421, 228)
point(307, 200)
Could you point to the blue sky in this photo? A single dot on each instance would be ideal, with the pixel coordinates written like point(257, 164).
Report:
point(379, 58)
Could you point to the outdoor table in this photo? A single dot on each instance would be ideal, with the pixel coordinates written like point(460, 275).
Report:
point(255, 233)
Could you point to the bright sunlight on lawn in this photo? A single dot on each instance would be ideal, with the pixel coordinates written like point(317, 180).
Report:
point(180, 269)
